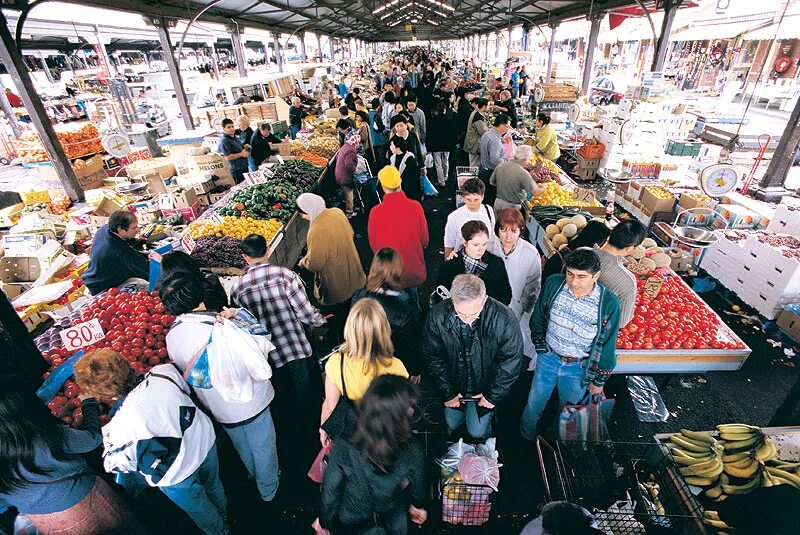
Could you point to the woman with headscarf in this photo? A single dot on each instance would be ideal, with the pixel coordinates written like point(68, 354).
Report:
point(332, 257)
point(346, 163)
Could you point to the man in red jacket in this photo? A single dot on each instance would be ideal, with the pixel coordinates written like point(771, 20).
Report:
point(400, 223)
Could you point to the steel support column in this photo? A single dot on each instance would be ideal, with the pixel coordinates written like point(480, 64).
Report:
point(526, 28)
point(660, 55)
point(783, 157)
point(215, 61)
point(319, 47)
point(46, 69)
point(330, 48)
point(551, 51)
point(103, 53)
point(8, 111)
point(276, 42)
point(11, 58)
point(303, 56)
point(588, 63)
point(174, 73)
point(238, 51)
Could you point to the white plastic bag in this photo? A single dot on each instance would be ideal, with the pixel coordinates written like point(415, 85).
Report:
point(235, 360)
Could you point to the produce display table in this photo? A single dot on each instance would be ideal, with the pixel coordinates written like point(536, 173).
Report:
point(643, 361)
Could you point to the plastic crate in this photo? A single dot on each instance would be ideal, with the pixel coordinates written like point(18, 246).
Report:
point(592, 151)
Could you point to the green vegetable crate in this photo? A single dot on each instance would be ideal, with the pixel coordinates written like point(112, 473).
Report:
point(682, 148)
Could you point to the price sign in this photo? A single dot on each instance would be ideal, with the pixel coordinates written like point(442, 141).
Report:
point(258, 177)
point(653, 286)
point(188, 243)
point(635, 267)
point(216, 218)
point(82, 335)
point(583, 195)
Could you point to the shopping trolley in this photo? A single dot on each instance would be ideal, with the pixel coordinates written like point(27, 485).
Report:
point(463, 173)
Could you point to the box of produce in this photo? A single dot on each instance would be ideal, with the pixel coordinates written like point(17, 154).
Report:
point(16, 269)
point(189, 213)
point(233, 227)
point(300, 172)
point(209, 164)
point(696, 200)
point(76, 141)
point(556, 195)
point(11, 214)
point(657, 199)
point(736, 216)
point(35, 197)
point(163, 166)
point(273, 199)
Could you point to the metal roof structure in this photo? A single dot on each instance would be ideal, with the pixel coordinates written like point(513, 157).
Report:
point(369, 20)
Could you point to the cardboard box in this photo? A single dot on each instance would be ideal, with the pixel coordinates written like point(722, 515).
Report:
point(789, 322)
point(100, 215)
point(210, 164)
point(19, 269)
point(588, 163)
point(584, 174)
point(204, 187)
point(11, 214)
point(738, 216)
point(155, 182)
point(214, 198)
point(687, 202)
point(203, 199)
point(177, 199)
point(190, 213)
point(164, 167)
point(34, 197)
point(282, 148)
point(655, 204)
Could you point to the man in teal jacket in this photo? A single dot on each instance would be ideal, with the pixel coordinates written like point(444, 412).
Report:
point(574, 328)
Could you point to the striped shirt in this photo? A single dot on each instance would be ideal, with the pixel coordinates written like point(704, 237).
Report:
point(573, 323)
point(616, 277)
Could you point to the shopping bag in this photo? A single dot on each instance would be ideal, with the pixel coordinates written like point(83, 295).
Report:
point(317, 470)
point(197, 373)
point(236, 359)
point(427, 187)
point(586, 421)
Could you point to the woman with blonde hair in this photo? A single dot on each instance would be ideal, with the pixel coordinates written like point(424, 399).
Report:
point(366, 353)
point(400, 305)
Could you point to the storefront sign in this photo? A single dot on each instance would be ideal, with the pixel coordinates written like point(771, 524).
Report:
point(82, 335)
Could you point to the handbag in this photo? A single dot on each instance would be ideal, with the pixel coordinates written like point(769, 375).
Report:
point(317, 471)
point(586, 421)
point(342, 421)
point(427, 187)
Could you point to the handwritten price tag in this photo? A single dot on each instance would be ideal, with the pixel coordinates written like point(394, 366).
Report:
point(188, 243)
point(653, 286)
point(583, 195)
point(216, 218)
point(82, 335)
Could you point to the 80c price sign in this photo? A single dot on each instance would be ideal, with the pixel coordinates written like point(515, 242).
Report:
point(82, 335)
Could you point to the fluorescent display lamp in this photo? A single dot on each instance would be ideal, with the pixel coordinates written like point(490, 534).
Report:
point(385, 6)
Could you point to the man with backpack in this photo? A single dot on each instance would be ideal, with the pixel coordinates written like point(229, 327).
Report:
point(377, 130)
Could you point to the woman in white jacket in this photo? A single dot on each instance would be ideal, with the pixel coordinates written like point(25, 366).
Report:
point(158, 433)
point(524, 268)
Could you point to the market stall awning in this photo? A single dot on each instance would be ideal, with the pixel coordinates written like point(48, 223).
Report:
point(789, 29)
point(632, 29)
point(721, 30)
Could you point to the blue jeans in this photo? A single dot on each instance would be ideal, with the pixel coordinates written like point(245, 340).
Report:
point(255, 443)
point(479, 427)
point(551, 372)
point(202, 497)
point(251, 164)
point(293, 130)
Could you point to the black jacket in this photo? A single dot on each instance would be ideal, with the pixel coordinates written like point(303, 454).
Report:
point(442, 132)
point(410, 177)
point(403, 313)
point(495, 277)
point(356, 496)
point(494, 354)
point(215, 296)
point(259, 147)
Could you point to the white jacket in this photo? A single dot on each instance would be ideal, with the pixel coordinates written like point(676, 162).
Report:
point(189, 335)
point(158, 431)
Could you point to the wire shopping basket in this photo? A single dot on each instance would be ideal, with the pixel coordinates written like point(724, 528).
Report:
point(631, 488)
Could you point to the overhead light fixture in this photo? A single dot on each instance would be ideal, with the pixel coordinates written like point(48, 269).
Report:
point(440, 4)
point(385, 16)
point(385, 6)
point(429, 21)
point(414, 21)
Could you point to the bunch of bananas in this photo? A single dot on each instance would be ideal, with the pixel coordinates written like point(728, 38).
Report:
point(699, 456)
point(652, 490)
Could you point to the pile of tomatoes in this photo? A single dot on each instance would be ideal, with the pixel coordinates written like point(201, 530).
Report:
point(675, 319)
point(135, 325)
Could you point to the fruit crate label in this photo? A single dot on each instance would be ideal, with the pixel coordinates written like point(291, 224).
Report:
point(653, 286)
point(188, 243)
point(82, 335)
point(584, 195)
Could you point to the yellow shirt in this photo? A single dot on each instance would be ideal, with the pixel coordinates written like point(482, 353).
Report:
point(547, 143)
point(357, 376)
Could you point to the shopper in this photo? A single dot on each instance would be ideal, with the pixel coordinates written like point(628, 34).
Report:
point(523, 83)
point(473, 348)
point(407, 166)
point(563, 518)
point(477, 126)
point(388, 110)
point(233, 150)
point(241, 99)
point(624, 238)
point(243, 130)
point(507, 106)
point(514, 181)
point(346, 162)
point(214, 296)
point(112, 259)
point(260, 149)
point(362, 128)
point(332, 257)
point(418, 116)
point(409, 239)
point(345, 130)
point(594, 233)
point(376, 481)
point(42, 471)
point(546, 138)
point(401, 128)
point(574, 330)
point(157, 433)
point(248, 424)
point(401, 305)
point(523, 266)
point(474, 259)
point(443, 138)
point(366, 353)
point(492, 150)
point(472, 191)
point(378, 132)
point(296, 114)
point(350, 99)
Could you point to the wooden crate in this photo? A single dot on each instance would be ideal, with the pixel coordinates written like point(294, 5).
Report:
point(260, 111)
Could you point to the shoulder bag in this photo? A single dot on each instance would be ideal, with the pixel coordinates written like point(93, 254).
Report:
point(342, 421)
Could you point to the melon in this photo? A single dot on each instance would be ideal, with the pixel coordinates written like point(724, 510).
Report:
point(563, 221)
point(661, 260)
point(649, 242)
point(559, 240)
point(579, 221)
point(638, 252)
point(647, 265)
point(569, 230)
point(552, 230)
